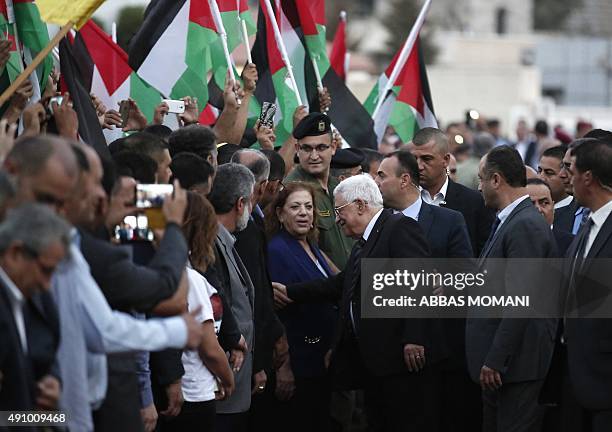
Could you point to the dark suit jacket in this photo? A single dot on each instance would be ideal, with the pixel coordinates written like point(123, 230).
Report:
point(563, 239)
point(448, 237)
point(252, 249)
point(128, 286)
point(43, 332)
point(564, 217)
point(381, 341)
point(17, 385)
point(446, 232)
point(519, 349)
point(471, 205)
point(589, 341)
point(304, 323)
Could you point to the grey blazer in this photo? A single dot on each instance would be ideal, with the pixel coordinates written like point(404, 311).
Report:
point(241, 297)
point(520, 349)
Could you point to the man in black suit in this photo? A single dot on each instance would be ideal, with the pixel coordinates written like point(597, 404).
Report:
point(510, 357)
point(571, 217)
point(541, 197)
point(445, 230)
point(386, 357)
point(589, 340)
point(33, 241)
point(549, 170)
point(252, 249)
point(430, 147)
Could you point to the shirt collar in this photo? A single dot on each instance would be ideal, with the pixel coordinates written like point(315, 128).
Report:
point(413, 210)
point(13, 291)
point(441, 193)
point(370, 226)
point(225, 236)
point(601, 215)
point(504, 213)
point(564, 202)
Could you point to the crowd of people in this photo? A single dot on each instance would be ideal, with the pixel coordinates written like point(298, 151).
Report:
point(236, 304)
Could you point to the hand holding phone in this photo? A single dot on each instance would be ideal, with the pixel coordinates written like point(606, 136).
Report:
point(175, 106)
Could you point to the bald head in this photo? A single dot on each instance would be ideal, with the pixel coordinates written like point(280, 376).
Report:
point(255, 161)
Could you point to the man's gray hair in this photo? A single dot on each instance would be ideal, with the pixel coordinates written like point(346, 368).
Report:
point(360, 187)
point(30, 154)
point(232, 182)
point(255, 161)
point(35, 226)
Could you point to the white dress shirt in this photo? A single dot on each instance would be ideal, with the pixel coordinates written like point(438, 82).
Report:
point(438, 198)
point(599, 218)
point(564, 202)
point(370, 226)
point(413, 210)
point(93, 329)
point(505, 212)
point(17, 301)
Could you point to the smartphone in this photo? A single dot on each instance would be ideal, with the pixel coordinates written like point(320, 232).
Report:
point(266, 117)
point(175, 106)
point(152, 195)
point(55, 99)
point(124, 112)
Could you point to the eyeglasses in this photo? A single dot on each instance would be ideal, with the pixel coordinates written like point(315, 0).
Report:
point(281, 186)
point(339, 208)
point(319, 148)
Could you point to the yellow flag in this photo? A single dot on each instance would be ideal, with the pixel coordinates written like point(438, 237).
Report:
point(61, 12)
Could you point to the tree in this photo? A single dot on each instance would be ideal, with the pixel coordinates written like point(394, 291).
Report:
point(399, 20)
point(553, 14)
point(129, 20)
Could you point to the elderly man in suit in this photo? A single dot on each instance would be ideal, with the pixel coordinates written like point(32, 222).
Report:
point(231, 196)
point(33, 241)
point(589, 340)
point(510, 357)
point(430, 147)
point(390, 358)
point(445, 230)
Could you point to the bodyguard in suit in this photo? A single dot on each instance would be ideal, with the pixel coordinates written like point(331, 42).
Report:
point(510, 357)
point(389, 358)
point(589, 341)
point(231, 196)
point(574, 215)
point(446, 233)
point(33, 240)
point(430, 147)
point(541, 197)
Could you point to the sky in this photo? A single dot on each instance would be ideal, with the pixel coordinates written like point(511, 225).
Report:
point(109, 9)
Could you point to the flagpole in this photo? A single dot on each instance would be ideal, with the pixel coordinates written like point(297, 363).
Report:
point(317, 74)
point(281, 45)
point(10, 12)
point(347, 56)
point(221, 29)
point(245, 38)
point(401, 61)
point(114, 32)
point(37, 61)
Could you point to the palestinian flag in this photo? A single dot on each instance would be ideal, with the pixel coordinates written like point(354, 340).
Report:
point(107, 74)
point(72, 73)
point(171, 50)
point(339, 58)
point(32, 35)
point(302, 24)
point(232, 13)
point(274, 84)
point(408, 106)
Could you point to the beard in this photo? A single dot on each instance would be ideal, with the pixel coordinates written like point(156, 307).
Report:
point(243, 220)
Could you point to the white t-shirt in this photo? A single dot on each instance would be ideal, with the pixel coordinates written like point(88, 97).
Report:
point(198, 383)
